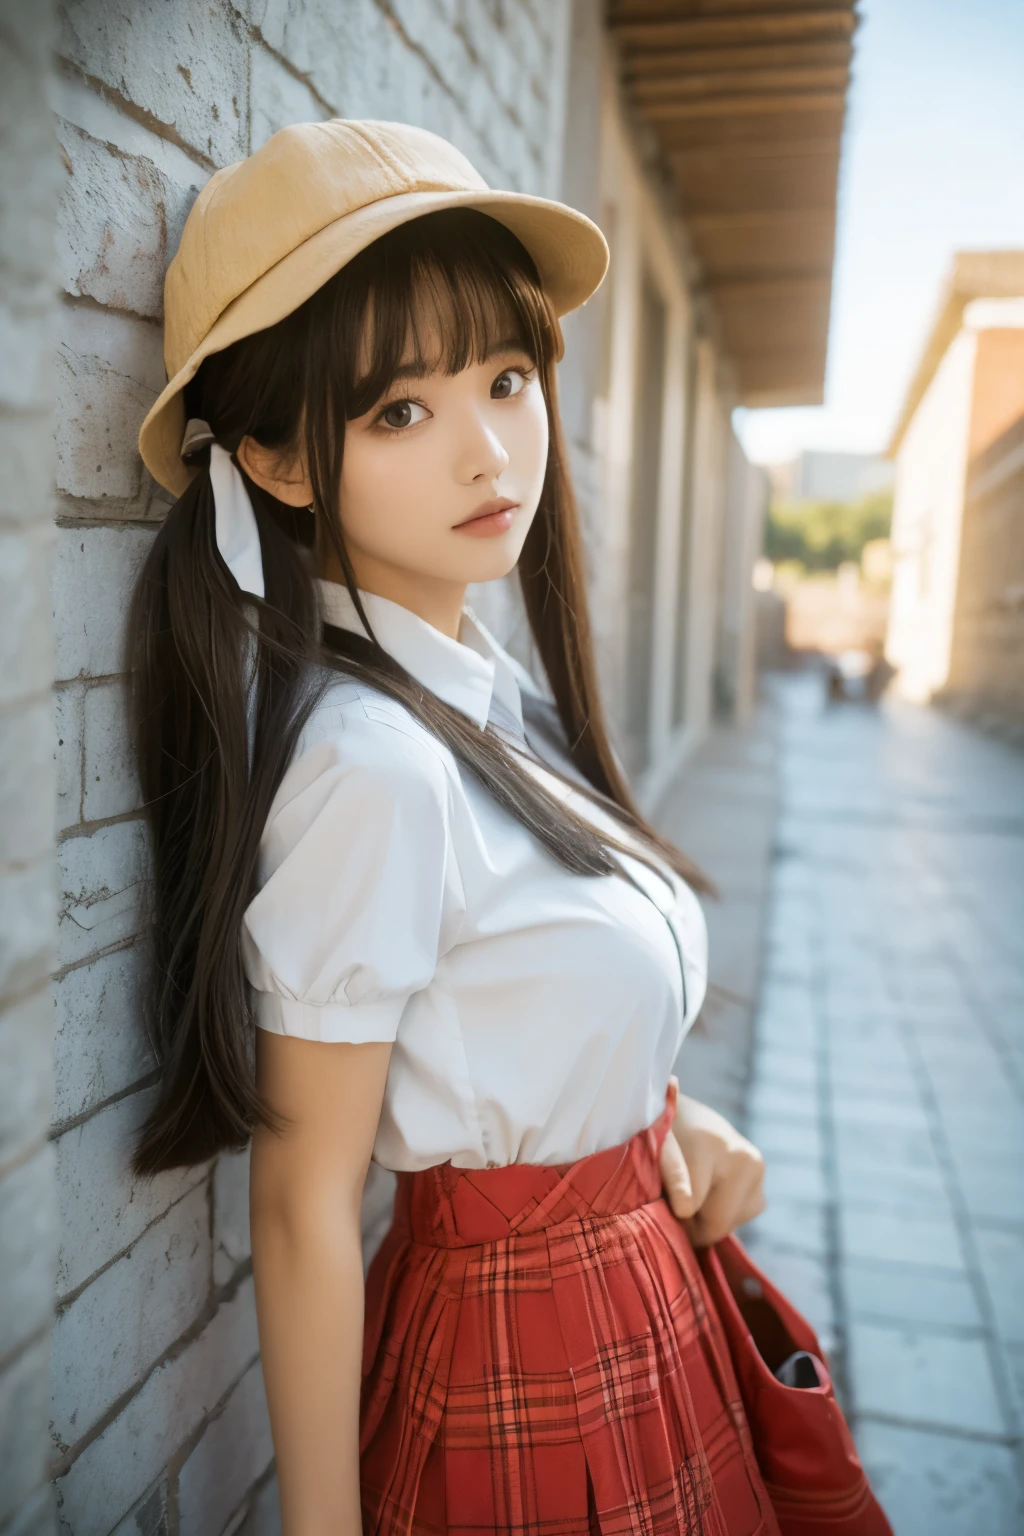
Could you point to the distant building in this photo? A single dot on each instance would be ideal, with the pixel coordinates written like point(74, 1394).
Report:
point(820, 476)
point(956, 627)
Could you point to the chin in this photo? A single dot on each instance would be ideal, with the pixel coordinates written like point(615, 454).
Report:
point(492, 564)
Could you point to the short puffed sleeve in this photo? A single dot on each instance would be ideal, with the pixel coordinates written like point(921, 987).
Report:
point(359, 891)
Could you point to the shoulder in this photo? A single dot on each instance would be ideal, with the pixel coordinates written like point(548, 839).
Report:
point(364, 744)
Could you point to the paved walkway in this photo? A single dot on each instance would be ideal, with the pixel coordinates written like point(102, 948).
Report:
point(888, 1092)
point(722, 809)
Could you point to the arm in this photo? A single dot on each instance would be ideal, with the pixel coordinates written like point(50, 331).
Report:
point(306, 1185)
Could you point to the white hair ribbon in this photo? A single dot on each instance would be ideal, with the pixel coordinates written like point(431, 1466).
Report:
point(238, 538)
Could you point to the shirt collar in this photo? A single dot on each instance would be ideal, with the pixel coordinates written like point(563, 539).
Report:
point(470, 673)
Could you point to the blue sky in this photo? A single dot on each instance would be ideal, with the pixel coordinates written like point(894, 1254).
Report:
point(932, 163)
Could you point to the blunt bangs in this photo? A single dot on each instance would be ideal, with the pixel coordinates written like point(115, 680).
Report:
point(436, 294)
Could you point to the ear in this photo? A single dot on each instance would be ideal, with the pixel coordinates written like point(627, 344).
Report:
point(276, 471)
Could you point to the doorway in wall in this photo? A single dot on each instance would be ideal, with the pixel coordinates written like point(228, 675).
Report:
point(643, 531)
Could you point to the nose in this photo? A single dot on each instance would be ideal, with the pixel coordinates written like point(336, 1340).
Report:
point(481, 453)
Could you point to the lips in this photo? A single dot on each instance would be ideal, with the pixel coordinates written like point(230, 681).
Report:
point(489, 509)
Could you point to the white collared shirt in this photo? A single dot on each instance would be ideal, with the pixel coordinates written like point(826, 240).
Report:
point(535, 1014)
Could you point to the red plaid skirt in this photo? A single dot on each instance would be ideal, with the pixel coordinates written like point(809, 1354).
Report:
point(541, 1359)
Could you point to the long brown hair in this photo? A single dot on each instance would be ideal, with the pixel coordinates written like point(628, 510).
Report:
point(449, 286)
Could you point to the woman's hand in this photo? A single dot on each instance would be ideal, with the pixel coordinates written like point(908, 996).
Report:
point(713, 1177)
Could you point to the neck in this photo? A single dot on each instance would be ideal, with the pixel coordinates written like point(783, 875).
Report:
point(436, 601)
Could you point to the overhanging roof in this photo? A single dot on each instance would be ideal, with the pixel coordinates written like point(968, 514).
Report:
point(973, 275)
point(747, 99)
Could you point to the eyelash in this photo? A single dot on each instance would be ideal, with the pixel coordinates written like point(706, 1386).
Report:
point(380, 425)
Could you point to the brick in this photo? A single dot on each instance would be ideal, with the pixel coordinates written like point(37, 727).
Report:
point(104, 888)
point(119, 222)
point(148, 1517)
point(103, 1209)
point(265, 1515)
point(26, 782)
point(186, 65)
point(90, 564)
point(230, 1215)
point(119, 1326)
point(68, 704)
point(101, 1045)
point(278, 98)
point(28, 910)
point(441, 45)
point(111, 782)
point(26, 1071)
point(124, 1461)
point(28, 1256)
point(110, 369)
point(23, 1409)
point(26, 642)
point(341, 51)
point(234, 1451)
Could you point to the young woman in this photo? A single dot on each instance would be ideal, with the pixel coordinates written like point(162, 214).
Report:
point(419, 874)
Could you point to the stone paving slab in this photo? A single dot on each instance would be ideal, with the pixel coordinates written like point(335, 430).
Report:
point(722, 810)
point(923, 1376)
point(942, 1485)
point(904, 1293)
point(887, 1092)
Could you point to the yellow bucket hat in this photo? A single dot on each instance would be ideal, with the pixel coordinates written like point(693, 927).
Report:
point(264, 234)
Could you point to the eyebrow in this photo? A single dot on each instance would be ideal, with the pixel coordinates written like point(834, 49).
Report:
point(416, 370)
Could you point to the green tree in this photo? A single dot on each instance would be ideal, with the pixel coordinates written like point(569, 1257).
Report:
point(821, 535)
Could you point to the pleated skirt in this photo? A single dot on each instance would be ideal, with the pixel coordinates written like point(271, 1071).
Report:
point(541, 1359)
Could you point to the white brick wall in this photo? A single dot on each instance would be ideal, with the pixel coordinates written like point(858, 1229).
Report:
point(29, 182)
point(158, 1419)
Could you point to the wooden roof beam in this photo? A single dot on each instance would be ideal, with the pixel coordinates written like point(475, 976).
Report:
point(738, 82)
point(739, 105)
point(749, 27)
point(760, 219)
point(732, 150)
point(641, 64)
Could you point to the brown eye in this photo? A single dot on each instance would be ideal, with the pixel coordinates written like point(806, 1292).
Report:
point(509, 383)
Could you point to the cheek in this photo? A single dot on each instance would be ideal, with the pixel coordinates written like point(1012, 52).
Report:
point(528, 445)
point(381, 493)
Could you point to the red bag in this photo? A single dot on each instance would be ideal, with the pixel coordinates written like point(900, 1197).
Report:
point(804, 1447)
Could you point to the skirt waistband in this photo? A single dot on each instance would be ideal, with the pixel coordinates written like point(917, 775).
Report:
point(446, 1207)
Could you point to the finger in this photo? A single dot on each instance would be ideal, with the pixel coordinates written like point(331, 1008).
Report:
point(731, 1203)
point(700, 1159)
point(675, 1178)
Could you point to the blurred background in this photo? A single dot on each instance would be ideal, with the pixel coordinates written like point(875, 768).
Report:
point(796, 419)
